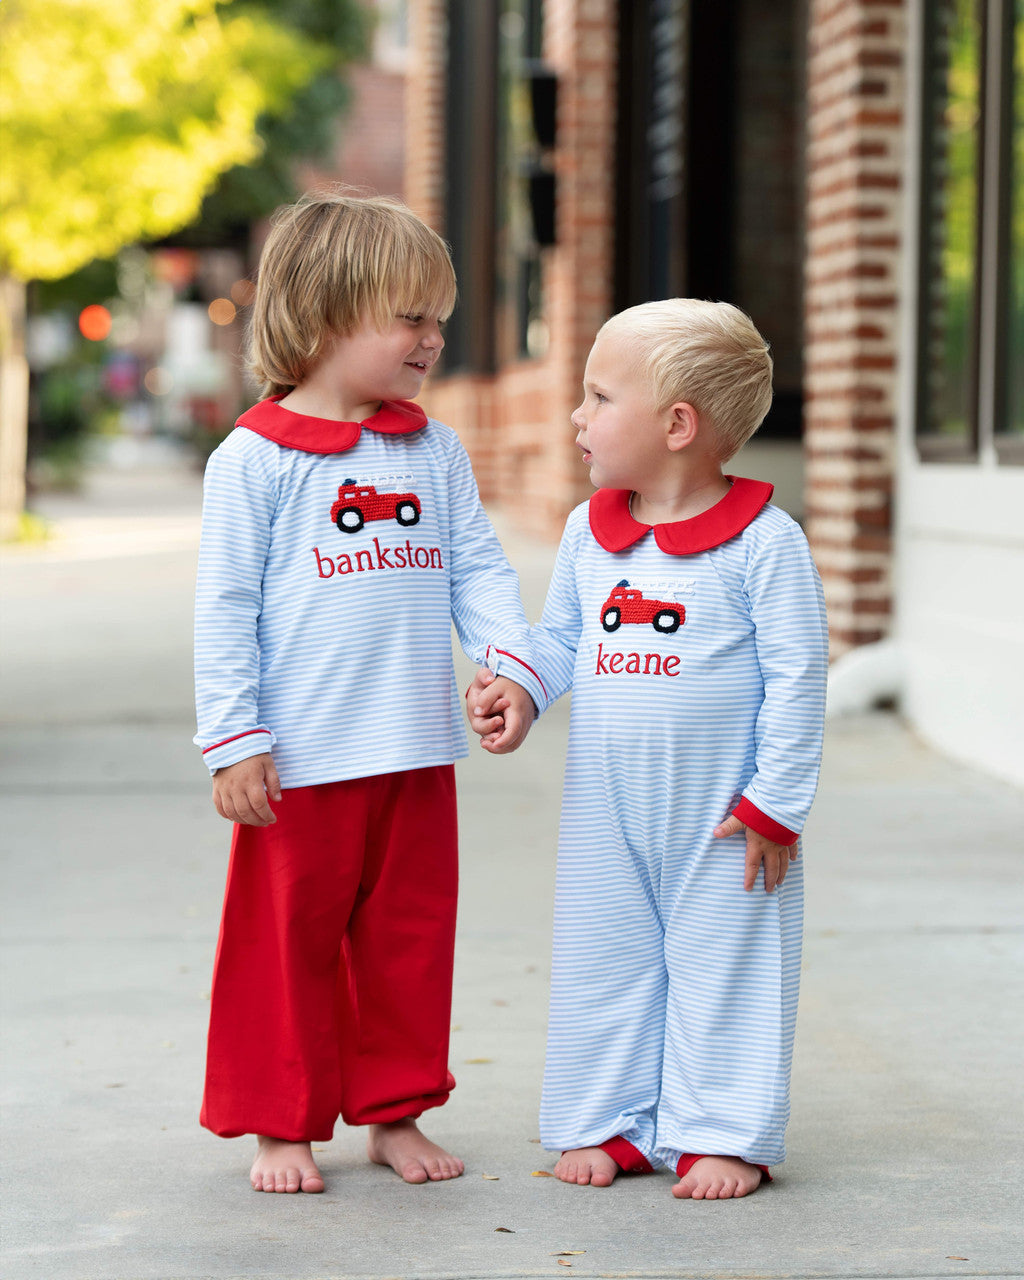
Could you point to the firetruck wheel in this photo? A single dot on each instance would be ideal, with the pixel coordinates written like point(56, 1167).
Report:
point(611, 619)
point(666, 621)
point(349, 520)
point(406, 514)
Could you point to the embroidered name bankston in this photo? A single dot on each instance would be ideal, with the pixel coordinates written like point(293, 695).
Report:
point(365, 561)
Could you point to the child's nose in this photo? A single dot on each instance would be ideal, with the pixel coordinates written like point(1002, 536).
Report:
point(576, 418)
point(433, 338)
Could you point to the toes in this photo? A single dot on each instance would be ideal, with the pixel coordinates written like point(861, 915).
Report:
point(413, 1171)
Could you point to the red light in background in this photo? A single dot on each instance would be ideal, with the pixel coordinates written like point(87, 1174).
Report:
point(94, 322)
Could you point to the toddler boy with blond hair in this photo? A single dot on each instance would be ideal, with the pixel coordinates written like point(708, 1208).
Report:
point(686, 615)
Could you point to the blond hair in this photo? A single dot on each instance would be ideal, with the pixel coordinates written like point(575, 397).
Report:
point(708, 354)
point(333, 261)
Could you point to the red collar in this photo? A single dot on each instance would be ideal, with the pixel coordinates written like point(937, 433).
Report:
point(322, 435)
point(615, 529)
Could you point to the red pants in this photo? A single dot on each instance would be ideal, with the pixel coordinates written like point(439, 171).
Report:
point(333, 978)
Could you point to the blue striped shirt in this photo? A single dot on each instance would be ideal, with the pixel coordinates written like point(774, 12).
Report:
point(333, 563)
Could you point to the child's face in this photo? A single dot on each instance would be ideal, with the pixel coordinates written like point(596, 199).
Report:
point(373, 365)
point(619, 429)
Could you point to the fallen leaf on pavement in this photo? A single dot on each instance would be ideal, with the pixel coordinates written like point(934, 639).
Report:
point(562, 1263)
point(541, 1173)
point(955, 1257)
point(507, 1230)
point(568, 1253)
point(490, 1177)
point(474, 1061)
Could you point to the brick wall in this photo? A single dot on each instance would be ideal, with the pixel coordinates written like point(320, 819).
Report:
point(856, 112)
point(516, 424)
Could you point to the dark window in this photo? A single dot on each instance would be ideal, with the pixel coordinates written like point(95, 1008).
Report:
point(970, 384)
point(470, 206)
point(709, 172)
point(500, 196)
point(525, 180)
point(1010, 425)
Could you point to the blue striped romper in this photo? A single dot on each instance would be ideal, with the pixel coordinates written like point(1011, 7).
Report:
point(696, 653)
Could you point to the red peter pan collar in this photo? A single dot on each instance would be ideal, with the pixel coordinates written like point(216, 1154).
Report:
point(615, 529)
point(323, 435)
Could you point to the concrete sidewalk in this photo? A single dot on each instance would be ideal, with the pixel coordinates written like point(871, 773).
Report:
point(905, 1144)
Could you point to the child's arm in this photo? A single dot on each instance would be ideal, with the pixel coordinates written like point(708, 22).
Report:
point(486, 606)
point(241, 792)
point(791, 635)
point(238, 506)
point(553, 651)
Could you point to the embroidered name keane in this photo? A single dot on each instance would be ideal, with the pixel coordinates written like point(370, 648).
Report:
point(404, 556)
point(635, 664)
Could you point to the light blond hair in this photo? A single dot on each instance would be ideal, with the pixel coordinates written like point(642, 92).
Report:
point(333, 261)
point(708, 354)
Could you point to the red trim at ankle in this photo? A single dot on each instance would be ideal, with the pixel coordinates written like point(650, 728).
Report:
point(686, 1163)
point(626, 1156)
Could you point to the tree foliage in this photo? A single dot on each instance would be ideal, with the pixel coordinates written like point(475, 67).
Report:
point(117, 116)
point(306, 129)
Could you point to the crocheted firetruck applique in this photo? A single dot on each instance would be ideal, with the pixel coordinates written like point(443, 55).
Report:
point(359, 503)
point(627, 605)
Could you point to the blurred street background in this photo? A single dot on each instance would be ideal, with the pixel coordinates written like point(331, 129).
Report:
point(852, 175)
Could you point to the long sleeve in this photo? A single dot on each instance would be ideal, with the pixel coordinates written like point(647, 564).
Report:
point(556, 637)
point(238, 507)
point(791, 638)
point(486, 604)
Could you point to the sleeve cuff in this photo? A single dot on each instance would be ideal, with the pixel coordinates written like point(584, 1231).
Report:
point(751, 816)
point(240, 746)
point(503, 663)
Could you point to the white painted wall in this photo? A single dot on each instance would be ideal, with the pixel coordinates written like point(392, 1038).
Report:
point(959, 570)
point(960, 610)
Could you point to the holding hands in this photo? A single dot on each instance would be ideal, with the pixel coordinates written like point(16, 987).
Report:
point(500, 711)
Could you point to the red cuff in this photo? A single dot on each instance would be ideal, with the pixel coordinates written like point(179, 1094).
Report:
point(751, 816)
point(686, 1164)
point(626, 1156)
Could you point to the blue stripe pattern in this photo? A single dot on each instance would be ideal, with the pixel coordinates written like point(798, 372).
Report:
point(336, 646)
point(674, 991)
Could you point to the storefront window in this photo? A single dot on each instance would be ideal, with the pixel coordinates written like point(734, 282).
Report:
point(1014, 420)
point(952, 135)
point(525, 181)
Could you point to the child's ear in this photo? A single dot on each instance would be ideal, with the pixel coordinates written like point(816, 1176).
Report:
point(684, 423)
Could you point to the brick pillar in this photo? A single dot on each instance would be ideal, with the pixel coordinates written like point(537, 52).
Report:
point(424, 111)
point(856, 100)
point(581, 45)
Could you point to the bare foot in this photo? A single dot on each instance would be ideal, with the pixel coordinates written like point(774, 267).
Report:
point(412, 1156)
point(284, 1166)
point(718, 1178)
point(587, 1165)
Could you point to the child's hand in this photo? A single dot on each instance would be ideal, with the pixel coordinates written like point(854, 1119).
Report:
point(760, 851)
point(500, 710)
point(242, 791)
point(485, 704)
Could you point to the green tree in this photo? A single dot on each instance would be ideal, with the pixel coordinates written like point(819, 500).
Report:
point(116, 118)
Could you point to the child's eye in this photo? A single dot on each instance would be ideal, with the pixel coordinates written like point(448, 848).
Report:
point(600, 397)
point(413, 319)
